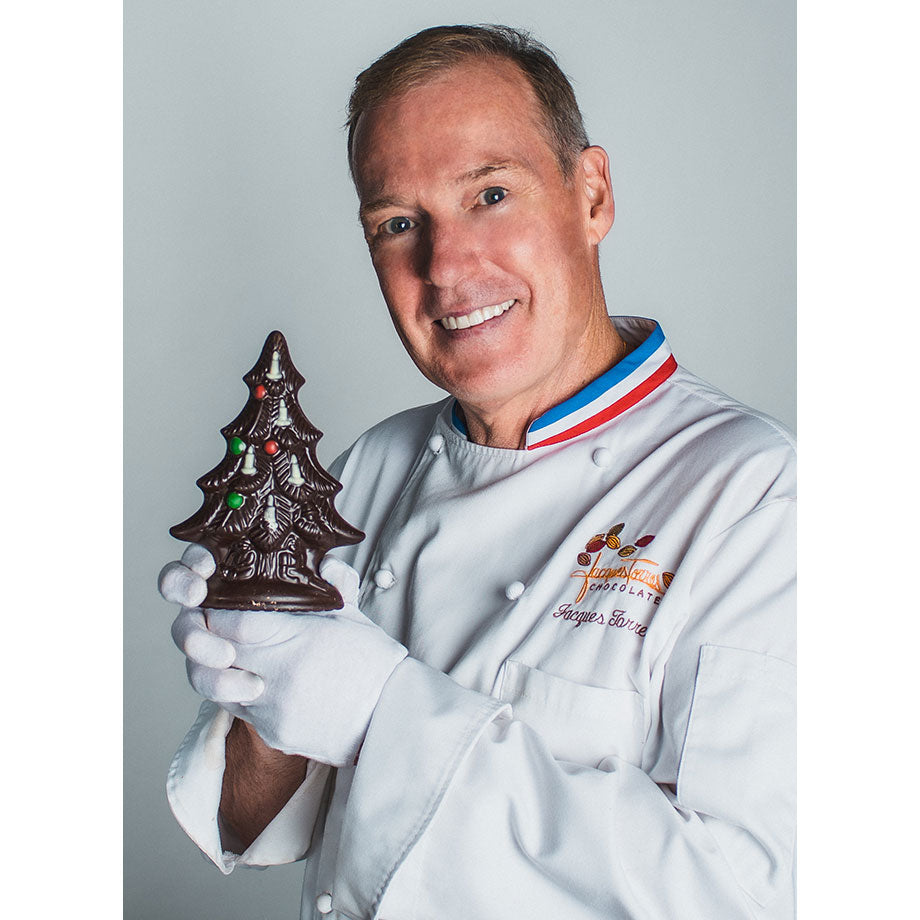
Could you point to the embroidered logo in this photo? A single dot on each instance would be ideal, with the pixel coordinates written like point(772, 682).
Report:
point(627, 572)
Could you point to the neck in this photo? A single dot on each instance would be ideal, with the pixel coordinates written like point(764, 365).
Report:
point(506, 425)
point(496, 432)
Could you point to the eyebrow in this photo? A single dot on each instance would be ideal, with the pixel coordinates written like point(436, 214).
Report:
point(378, 204)
point(480, 172)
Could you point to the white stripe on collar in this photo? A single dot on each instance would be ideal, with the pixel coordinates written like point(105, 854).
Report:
point(628, 382)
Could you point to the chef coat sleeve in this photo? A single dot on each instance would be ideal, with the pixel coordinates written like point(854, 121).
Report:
point(458, 806)
point(193, 789)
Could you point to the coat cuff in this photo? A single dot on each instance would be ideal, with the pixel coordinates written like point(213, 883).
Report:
point(193, 788)
point(423, 727)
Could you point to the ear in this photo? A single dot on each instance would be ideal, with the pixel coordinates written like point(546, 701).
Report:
point(594, 175)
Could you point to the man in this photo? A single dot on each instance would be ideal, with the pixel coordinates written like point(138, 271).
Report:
point(564, 687)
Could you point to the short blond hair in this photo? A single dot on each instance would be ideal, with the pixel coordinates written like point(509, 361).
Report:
point(415, 59)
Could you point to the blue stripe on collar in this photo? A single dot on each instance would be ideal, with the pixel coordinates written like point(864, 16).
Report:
point(627, 383)
point(620, 371)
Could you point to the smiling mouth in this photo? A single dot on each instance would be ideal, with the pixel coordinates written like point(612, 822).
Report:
point(477, 317)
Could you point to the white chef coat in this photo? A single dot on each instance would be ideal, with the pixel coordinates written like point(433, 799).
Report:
point(596, 718)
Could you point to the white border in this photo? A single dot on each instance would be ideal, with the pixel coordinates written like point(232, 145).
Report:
point(60, 69)
point(858, 302)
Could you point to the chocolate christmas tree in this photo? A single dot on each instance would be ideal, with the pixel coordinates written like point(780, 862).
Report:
point(268, 516)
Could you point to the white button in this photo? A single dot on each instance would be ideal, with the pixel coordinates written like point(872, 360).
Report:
point(435, 443)
point(384, 578)
point(324, 903)
point(514, 590)
point(602, 457)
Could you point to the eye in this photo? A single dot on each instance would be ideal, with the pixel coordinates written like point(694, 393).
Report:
point(396, 225)
point(492, 195)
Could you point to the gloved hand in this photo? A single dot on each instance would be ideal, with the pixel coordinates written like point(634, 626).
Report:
point(307, 683)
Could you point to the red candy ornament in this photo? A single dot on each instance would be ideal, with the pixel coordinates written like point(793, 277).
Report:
point(260, 392)
point(271, 447)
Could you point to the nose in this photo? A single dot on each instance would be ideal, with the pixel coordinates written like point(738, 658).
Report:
point(448, 255)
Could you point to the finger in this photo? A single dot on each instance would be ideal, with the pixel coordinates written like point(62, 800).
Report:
point(199, 559)
point(341, 576)
point(188, 620)
point(180, 585)
point(191, 635)
point(249, 627)
point(224, 685)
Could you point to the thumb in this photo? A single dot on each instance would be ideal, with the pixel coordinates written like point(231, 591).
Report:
point(199, 559)
point(180, 585)
point(342, 577)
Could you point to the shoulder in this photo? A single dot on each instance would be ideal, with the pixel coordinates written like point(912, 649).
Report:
point(729, 416)
point(687, 421)
point(738, 446)
point(397, 438)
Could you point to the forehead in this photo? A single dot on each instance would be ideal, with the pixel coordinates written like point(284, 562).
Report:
point(460, 119)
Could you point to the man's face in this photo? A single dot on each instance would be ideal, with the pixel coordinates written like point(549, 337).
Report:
point(486, 256)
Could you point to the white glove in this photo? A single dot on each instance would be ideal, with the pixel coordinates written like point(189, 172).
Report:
point(307, 683)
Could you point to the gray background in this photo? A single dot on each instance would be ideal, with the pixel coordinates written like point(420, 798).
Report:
point(240, 218)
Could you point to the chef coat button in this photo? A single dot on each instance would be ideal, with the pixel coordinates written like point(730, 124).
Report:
point(514, 590)
point(602, 457)
point(435, 443)
point(384, 578)
point(324, 903)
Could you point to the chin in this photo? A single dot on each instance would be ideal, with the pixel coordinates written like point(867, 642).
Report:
point(495, 379)
point(485, 392)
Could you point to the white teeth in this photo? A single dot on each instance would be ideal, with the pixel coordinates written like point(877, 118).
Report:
point(476, 317)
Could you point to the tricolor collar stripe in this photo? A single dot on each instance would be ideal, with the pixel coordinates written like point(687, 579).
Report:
point(611, 395)
point(611, 411)
point(629, 381)
point(600, 390)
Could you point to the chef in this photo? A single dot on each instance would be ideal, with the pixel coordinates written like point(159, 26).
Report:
point(562, 683)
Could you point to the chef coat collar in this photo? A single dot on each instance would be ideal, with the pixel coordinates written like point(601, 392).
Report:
point(646, 366)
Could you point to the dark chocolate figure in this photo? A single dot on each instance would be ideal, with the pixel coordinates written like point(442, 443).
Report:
point(268, 515)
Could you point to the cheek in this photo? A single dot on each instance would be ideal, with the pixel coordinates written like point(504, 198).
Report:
point(543, 255)
point(396, 279)
point(541, 236)
point(404, 298)
point(511, 252)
